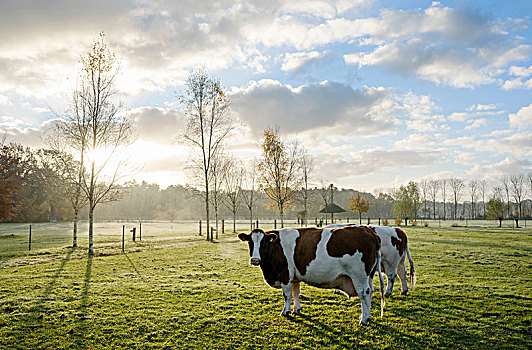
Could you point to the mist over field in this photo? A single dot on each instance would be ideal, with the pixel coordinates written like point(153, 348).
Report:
point(142, 141)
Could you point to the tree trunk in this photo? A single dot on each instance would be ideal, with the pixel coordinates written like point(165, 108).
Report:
point(75, 229)
point(360, 218)
point(500, 222)
point(234, 222)
point(281, 212)
point(207, 212)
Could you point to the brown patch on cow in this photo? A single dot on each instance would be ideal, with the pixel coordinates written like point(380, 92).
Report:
point(273, 262)
point(305, 250)
point(349, 240)
point(400, 244)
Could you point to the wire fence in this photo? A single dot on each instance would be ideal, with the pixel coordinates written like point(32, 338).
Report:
point(24, 239)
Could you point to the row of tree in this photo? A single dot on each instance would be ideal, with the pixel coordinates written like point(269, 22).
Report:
point(80, 169)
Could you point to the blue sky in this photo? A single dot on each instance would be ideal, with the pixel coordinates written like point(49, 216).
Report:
point(380, 92)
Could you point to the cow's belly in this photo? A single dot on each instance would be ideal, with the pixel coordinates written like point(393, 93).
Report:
point(390, 257)
point(330, 272)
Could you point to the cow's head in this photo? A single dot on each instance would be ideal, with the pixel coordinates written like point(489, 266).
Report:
point(255, 239)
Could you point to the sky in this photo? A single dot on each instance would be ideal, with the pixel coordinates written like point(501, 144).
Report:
point(379, 92)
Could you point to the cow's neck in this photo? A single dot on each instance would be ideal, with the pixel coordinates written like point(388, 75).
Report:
point(273, 263)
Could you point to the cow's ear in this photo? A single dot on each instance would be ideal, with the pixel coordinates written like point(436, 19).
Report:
point(244, 237)
point(272, 237)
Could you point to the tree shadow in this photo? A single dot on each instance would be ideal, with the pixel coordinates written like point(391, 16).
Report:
point(79, 329)
point(36, 313)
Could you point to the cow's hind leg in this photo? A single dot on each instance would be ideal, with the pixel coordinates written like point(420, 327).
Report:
point(295, 295)
point(401, 271)
point(287, 294)
point(391, 280)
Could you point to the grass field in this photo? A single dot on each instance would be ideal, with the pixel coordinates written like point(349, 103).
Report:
point(177, 291)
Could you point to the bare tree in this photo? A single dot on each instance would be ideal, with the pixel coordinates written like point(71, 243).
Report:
point(443, 184)
point(68, 136)
point(483, 185)
point(473, 188)
point(434, 186)
point(325, 192)
point(505, 181)
point(206, 108)
point(248, 191)
point(219, 170)
point(306, 168)
point(424, 185)
point(457, 185)
point(279, 170)
point(518, 189)
point(233, 186)
point(96, 129)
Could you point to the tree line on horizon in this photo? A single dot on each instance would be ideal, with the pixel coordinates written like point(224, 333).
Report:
point(74, 175)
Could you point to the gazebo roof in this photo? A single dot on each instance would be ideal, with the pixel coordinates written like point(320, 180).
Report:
point(332, 208)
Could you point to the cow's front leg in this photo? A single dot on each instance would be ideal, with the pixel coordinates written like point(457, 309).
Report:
point(287, 294)
point(295, 295)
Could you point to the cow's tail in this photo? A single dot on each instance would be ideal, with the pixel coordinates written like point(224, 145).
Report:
point(412, 268)
point(381, 280)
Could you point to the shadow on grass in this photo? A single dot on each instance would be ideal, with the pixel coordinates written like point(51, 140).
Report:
point(36, 313)
point(133, 265)
point(80, 328)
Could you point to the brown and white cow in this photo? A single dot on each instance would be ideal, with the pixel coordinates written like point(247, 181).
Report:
point(394, 251)
point(341, 258)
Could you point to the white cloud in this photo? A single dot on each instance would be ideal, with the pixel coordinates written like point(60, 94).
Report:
point(417, 142)
point(158, 125)
point(477, 123)
point(512, 84)
point(294, 62)
point(522, 72)
point(328, 105)
point(523, 118)
point(493, 171)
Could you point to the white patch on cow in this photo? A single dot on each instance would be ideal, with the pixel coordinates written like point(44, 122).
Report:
point(256, 237)
point(392, 262)
point(325, 271)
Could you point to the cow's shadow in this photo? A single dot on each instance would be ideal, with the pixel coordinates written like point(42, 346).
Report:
point(332, 335)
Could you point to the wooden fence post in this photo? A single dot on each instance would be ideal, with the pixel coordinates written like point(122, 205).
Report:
point(379, 221)
point(223, 228)
point(123, 236)
point(257, 224)
point(200, 227)
point(140, 231)
point(30, 240)
point(274, 223)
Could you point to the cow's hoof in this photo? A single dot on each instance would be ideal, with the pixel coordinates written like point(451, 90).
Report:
point(297, 311)
point(285, 313)
point(404, 292)
point(336, 291)
point(364, 322)
point(388, 294)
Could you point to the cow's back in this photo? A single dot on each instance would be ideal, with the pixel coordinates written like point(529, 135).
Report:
point(393, 245)
point(321, 256)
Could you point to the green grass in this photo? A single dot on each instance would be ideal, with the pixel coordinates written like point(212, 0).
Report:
point(474, 291)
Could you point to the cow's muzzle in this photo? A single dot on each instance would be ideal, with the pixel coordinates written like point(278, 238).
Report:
point(254, 261)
